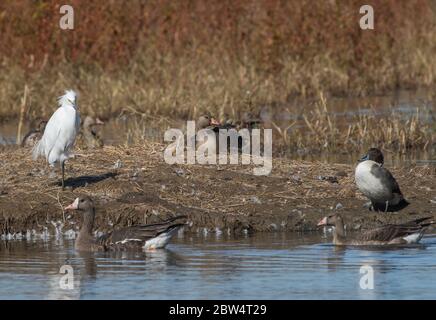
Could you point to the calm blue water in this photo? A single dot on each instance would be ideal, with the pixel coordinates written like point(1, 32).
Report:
point(264, 266)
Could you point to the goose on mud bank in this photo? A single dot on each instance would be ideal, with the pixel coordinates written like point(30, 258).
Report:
point(136, 237)
point(378, 184)
point(34, 135)
point(391, 234)
point(89, 134)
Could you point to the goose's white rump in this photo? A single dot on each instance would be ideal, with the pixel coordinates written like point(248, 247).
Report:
point(60, 132)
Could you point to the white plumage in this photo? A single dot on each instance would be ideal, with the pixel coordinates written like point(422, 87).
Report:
point(370, 185)
point(60, 132)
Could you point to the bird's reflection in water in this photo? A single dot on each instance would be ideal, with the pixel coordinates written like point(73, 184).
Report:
point(89, 265)
point(160, 260)
point(336, 257)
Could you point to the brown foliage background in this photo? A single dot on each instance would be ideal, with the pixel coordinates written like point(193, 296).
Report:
point(286, 47)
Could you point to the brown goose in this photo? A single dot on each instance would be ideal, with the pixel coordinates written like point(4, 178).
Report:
point(205, 121)
point(90, 135)
point(208, 122)
point(390, 234)
point(146, 236)
point(34, 135)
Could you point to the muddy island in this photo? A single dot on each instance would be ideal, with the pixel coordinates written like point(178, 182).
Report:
point(134, 185)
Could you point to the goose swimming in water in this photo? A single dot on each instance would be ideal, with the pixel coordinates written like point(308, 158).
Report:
point(378, 184)
point(391, 234)
point(136, 237)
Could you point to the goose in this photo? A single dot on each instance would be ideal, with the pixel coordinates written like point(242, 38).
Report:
point(60, 133)
point(34, 135)
point(146, 236)
point(378, 184)
point(89, 134)
point(216, 126)
point(206, 121)
point(391, 234)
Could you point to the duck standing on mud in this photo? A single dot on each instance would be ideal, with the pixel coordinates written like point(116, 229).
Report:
point(34, 135)
point(60, 133)
point(391, 234)
point(136, 237)
point(378, 184)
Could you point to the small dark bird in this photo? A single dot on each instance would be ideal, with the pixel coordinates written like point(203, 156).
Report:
point(378, 184)
point(136, 237)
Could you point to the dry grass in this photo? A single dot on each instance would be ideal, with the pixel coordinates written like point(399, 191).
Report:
point(146, 189)
point(321, 131)
point(176, 58)
point(162, 60)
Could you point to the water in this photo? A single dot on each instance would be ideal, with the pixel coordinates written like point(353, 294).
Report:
point(262, 266)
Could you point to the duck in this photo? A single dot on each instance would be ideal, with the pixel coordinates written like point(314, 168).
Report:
point(89, 134)
point(378, 184)
point(391, 234)
point(34, 135)
point(137, 237)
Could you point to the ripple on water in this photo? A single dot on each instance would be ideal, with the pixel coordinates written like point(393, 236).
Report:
point(263, 266)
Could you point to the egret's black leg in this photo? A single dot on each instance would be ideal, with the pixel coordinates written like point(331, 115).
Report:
point(63, 175)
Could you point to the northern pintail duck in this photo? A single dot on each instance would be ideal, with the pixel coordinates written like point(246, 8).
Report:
point(34, 135)
point(391, 234)
point(378, 184)
point(136, 237)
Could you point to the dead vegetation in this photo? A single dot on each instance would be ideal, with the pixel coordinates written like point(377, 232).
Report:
point(177, 59)
point(133, 184)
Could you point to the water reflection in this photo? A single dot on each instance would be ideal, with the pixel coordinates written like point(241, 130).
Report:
point(267, 266)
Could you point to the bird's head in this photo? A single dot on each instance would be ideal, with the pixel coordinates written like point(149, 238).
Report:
point(207, 120)
point(330, 220)
point(81, 204)
point(373, 154)
point(68, 99)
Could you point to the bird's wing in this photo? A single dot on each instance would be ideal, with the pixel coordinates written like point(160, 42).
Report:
point(391, 231)
point(51, 133)
point(142, 232)
point(387, 178)
point(60, 132)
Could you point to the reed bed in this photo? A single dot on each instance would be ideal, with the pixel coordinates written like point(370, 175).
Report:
point(322, 131)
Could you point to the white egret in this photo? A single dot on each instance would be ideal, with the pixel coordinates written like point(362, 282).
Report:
point(60, 133)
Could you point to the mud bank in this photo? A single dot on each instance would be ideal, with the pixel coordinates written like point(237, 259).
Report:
point(134, 185)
